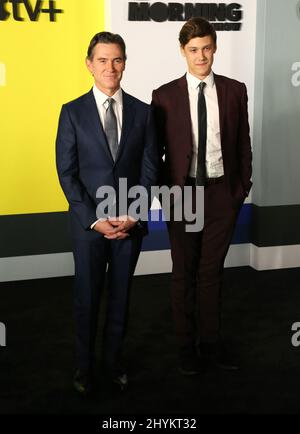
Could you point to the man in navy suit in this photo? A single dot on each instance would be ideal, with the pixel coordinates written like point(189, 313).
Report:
point(103, 136)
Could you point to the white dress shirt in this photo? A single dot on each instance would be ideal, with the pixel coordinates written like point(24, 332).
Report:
point(102, 104)
point(214, 159)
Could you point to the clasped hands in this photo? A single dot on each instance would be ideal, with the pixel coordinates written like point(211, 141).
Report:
point(115, 228)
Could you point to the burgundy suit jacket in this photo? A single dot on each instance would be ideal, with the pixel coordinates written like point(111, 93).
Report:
point(174, 129)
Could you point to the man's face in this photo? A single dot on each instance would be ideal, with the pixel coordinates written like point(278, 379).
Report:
point(107, 66)
point(199, 54)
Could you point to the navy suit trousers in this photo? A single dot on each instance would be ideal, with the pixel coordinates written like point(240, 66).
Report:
point(97, 262)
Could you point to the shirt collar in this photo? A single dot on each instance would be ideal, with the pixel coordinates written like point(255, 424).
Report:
point(101, 97)
point(193, 82)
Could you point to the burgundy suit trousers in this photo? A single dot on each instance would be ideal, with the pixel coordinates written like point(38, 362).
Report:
point(198, 263)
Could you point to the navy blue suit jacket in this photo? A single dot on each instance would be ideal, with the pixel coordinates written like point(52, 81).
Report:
point(84, 162)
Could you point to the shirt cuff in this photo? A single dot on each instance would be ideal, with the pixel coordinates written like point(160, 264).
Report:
point(99, 220)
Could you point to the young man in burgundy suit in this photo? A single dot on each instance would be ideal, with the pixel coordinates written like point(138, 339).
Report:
point(203, 133)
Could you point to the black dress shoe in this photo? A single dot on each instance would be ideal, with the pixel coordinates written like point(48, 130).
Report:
point(121, 381)
point(116, 375)
point(82, 382)
point(219, 356)
point(224, 359)
point(189, 362)
point(190, 366)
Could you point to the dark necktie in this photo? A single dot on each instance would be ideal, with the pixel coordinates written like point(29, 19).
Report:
point(202, 133)
point(111, 128)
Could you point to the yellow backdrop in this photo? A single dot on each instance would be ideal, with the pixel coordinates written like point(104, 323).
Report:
point(42, 66)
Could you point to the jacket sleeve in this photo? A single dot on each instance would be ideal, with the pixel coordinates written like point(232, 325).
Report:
point(68, 171)
point(159, 120)
point(149, 168)
point(245, 153)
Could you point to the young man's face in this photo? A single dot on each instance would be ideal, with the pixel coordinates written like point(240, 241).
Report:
point(107, 66)
point(199, 54)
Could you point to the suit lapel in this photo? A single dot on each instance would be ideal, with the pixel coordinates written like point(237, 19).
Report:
point(127, 122)
point(222, 95)
point(93, 118)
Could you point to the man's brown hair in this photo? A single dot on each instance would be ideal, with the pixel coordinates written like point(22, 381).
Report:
point(196, 28)
point(106, 38)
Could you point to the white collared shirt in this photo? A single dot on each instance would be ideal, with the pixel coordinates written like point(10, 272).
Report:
point(102, 104)
point(214, 159)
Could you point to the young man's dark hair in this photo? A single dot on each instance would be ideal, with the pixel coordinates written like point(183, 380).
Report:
point(106, 38)
point(196, 28)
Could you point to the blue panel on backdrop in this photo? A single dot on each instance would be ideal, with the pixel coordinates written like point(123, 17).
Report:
point(242, 233)
point(158, 236)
